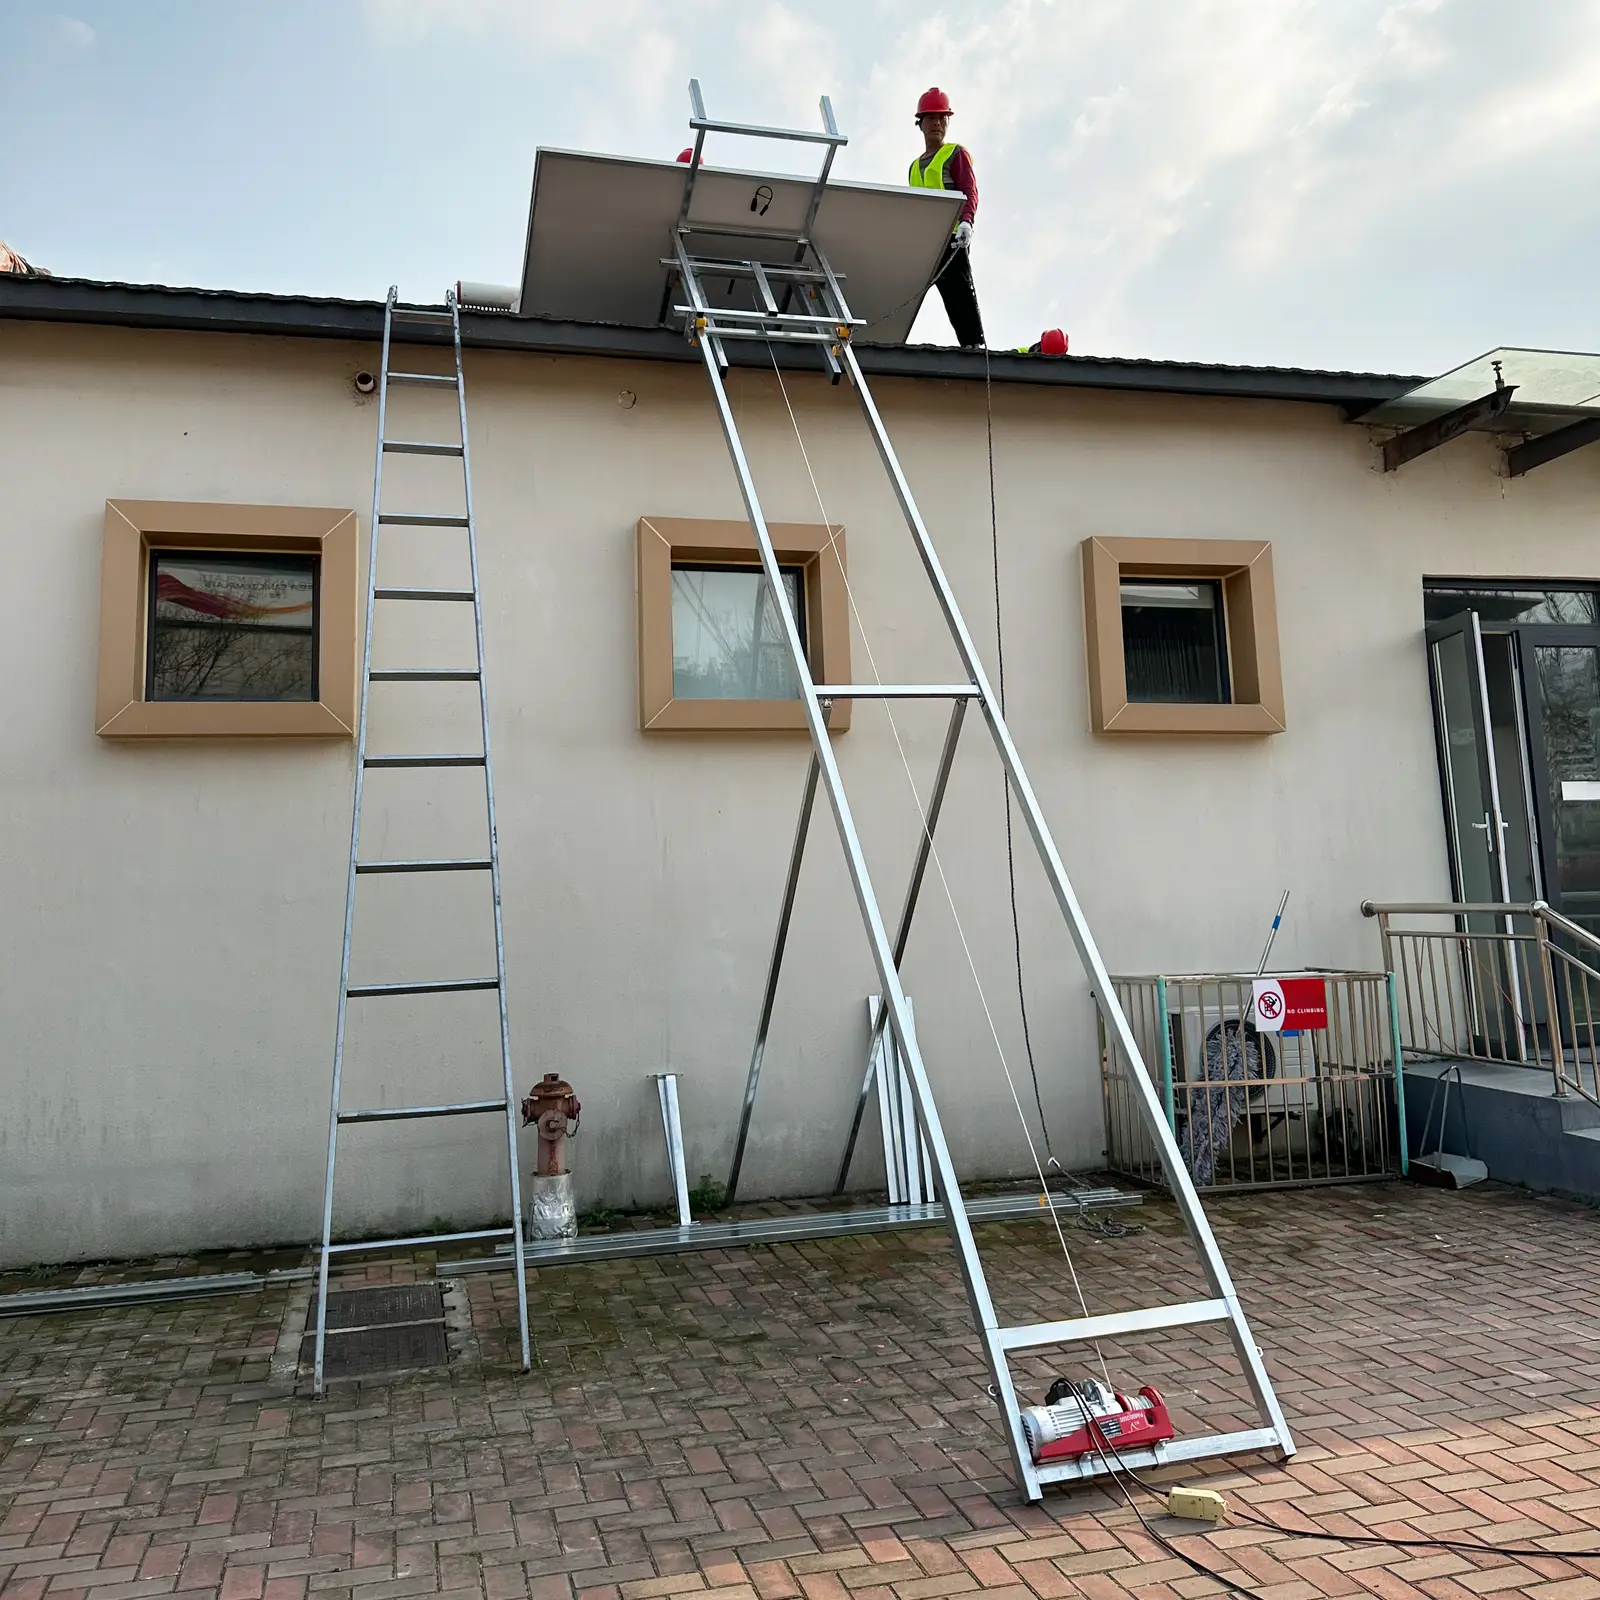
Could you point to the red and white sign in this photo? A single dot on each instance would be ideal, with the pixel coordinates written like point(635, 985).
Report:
point(1285, 1005)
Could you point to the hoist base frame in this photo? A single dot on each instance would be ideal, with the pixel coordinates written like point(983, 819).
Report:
point(824, 321)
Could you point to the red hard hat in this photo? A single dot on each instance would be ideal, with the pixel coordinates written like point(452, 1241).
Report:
point(686, 155)
point(1052, 342)
point(932, 101)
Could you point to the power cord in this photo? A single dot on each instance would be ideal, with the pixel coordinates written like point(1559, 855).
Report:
point(1119, 1470)
point(1104, 1227)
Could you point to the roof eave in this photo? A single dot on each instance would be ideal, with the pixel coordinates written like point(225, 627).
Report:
point(83, 301)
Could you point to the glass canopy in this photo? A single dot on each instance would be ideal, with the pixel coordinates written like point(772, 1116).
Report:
point(1557, 385)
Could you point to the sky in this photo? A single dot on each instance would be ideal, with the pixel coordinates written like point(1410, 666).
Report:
point(1377, 185)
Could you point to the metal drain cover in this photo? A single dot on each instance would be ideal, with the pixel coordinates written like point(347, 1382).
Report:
point(391, 1328)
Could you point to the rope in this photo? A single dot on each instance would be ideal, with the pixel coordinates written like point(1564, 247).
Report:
point(972, 966)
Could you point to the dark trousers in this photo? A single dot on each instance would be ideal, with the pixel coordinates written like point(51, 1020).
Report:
point(959, 296)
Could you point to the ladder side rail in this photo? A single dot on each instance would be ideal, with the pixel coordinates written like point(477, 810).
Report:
point(355, 846)
point(973, 1279)
point(494, 847)
point(1183, 1189)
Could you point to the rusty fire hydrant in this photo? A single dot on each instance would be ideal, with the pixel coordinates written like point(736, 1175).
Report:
point(554, 1108)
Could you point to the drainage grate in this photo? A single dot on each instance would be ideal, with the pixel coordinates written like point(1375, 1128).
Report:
point(392, 1328)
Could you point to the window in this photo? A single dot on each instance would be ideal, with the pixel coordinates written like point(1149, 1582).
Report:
point(227, 621)
point(1503, 604)
point(1174, 642)
point(712, 656)
point(727, 636)
point(1182, 636)
point(231, 627)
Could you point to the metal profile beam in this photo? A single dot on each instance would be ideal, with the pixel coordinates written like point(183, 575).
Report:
point(632, 1243)
point(908, 910)
point(1533, 453)
point(797, 852)
point(1428, 436)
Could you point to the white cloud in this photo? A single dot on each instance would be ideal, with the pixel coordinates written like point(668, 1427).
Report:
point(75, 33)
point(1160, 177)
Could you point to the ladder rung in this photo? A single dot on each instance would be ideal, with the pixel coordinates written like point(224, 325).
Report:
point(425, 594)
point(897, 691)
point(462, 865)
point(449, 986)
point(423, 519)
point(425, 379)
point(418, 1239)
point(1083, 1329)
point(422, 761)
point(420, 447)
point(464, 1108)
point(420, 314)
point(424, 674)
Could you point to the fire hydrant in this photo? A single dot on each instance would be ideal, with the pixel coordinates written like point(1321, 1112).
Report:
point(554, 1110)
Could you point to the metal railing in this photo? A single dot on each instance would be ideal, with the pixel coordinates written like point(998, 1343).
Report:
point(1516, 984)
point(1251, 1108)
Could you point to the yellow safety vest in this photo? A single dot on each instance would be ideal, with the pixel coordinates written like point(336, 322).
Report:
point(932, 175)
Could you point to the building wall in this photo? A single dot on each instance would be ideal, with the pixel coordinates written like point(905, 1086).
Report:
point(170, 945)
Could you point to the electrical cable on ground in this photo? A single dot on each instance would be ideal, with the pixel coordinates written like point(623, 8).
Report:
point(1119, 1470)
point(933, 851)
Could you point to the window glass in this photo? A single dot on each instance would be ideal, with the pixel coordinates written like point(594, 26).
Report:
point(1174, 641)
point(1508, 603)
point(727, 638)
point(232, 627)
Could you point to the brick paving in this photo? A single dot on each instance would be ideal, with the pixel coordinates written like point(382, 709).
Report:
point(809, 1422)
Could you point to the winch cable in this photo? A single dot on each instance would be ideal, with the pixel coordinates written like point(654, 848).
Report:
point(933, 849)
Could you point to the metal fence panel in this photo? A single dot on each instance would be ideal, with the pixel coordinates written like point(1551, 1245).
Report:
point(1251, 1108)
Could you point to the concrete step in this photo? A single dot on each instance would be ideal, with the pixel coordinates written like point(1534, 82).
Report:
point(1510, 1118)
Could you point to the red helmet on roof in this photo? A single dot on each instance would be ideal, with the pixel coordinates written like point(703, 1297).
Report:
point(934, 101)
point(686, 155)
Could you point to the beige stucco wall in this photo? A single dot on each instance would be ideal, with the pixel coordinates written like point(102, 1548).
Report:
point(169, 938)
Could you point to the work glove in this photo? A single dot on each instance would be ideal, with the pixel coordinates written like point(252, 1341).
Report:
point(962, 239)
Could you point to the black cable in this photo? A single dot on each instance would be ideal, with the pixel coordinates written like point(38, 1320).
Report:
point(1151, 1533)
point(1460, 1546)
point(1005, 777)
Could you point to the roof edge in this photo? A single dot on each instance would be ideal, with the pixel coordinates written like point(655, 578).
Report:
point(90, 302)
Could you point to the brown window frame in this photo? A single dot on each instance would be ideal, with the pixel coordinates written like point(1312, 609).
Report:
point(136, 528)
point(818, 549)
point(1243, 567)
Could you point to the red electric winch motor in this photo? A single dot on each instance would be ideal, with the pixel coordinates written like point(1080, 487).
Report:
point(1078, 1419)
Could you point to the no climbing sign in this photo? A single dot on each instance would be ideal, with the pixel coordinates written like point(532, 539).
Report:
point(1286, 1005)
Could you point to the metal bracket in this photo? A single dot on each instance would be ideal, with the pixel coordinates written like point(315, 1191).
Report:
point(1545, 447)
point(1428, 436)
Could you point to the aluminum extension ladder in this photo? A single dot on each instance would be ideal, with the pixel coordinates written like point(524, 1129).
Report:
point(505, 1104)
point(823, 321)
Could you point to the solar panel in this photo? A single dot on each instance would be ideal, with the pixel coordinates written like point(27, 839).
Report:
point(599, 226)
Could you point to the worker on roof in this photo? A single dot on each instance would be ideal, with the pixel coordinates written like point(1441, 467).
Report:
point(948, 166)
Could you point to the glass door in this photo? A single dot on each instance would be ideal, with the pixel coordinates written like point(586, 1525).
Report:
point(1470, 775)
point(1561, 669)
point(1496, 998)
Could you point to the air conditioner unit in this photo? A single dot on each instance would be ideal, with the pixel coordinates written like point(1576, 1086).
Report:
point(1279, 1057)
